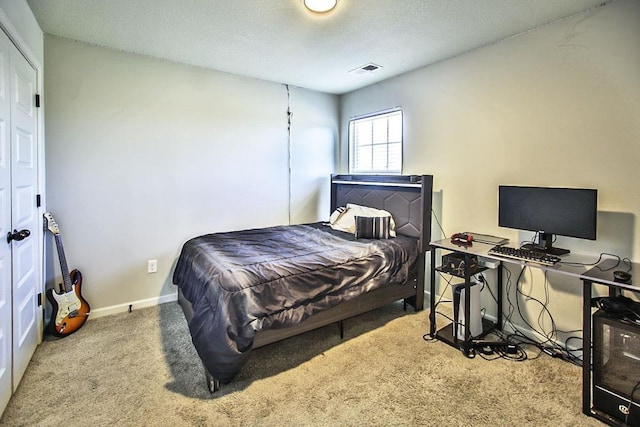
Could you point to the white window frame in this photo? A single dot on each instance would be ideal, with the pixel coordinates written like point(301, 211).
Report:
point(377, 118)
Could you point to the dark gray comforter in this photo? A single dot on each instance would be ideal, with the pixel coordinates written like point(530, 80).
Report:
point(245, 281)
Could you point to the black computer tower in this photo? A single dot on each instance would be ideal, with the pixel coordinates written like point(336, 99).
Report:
point(616, 367)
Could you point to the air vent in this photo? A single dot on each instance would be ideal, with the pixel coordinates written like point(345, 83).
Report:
point(365, 69)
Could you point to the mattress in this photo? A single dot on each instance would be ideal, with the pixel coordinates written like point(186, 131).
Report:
point(245, 281)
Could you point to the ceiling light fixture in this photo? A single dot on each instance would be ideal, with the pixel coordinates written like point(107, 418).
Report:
point(320, 6)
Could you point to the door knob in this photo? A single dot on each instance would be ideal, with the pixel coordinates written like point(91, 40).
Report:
point(18, 235)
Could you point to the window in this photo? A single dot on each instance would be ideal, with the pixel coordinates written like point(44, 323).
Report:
point(375, 143)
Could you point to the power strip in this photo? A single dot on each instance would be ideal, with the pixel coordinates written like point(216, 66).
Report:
point(501, 346)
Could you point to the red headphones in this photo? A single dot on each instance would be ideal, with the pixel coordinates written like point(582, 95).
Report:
point(462, 239)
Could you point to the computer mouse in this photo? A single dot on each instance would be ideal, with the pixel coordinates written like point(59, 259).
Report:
point(621, 276)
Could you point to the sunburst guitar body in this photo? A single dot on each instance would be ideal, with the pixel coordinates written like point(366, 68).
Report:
point(70, 309)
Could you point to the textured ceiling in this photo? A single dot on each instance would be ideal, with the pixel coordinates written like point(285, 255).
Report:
point(280, 41)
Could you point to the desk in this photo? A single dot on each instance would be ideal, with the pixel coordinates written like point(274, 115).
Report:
point(571, 265)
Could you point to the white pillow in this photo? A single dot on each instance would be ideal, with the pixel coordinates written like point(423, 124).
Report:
point(344, 218)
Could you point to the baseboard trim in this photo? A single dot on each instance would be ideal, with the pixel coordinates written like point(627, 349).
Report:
point(123, 308)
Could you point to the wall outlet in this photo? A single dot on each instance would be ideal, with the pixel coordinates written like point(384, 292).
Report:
point(152, 266)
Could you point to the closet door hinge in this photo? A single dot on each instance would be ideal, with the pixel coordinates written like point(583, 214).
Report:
point(38, 201)
point(40, 299)
point(37, 100)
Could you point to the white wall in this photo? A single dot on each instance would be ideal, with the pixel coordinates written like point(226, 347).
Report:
point(143, 154)
point(313, 152)
point(558, 106)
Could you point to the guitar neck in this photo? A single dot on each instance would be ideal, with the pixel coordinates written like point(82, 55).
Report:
point(66, 279)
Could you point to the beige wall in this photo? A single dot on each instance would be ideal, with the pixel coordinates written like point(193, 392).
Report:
point(143, 154)
point(557, 106)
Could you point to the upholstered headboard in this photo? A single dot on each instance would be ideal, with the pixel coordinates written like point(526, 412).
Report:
point(407, 197)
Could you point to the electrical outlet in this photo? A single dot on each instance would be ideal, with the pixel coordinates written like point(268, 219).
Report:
point(152, 266)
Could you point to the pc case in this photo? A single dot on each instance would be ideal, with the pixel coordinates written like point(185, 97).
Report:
point(616, 367)
point(454, 263)
point(475, 316)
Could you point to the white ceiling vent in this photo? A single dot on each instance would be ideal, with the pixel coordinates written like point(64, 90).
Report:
point(370, 68)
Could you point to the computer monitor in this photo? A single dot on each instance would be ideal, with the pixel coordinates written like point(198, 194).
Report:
point(549, 211)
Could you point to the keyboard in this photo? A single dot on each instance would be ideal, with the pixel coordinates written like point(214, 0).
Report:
point(524, 255)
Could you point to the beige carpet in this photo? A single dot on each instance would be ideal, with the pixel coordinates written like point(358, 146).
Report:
point(140, 368)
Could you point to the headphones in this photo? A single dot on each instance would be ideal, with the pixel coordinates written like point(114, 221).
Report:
point(462, 239)
point(619, 306)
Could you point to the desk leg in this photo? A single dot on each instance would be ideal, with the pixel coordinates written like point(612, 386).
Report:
point(432, 294)
point(586, 347)
point(499, 292)
point(466, 345)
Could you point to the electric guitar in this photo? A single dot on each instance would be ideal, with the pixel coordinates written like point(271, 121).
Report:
point(70, 309)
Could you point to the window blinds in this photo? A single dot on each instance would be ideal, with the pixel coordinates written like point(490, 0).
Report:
point(375, 143)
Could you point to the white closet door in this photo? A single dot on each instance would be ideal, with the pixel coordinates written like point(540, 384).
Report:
point(24, 212)
point(5, 225)
point(20, 318)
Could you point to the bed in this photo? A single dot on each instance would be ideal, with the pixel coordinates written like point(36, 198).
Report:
point(245, 289)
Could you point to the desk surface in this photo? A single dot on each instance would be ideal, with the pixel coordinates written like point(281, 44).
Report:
point(582, 266)
point(603, 273)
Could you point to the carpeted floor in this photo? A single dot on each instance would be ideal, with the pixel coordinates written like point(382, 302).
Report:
point(140, 368)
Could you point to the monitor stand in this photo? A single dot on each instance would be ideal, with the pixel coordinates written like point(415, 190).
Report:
point(545, 241)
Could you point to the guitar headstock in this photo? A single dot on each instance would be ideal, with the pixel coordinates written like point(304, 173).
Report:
point(51, 223)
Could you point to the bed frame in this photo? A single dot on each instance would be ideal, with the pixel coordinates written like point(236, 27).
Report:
point(408, 198)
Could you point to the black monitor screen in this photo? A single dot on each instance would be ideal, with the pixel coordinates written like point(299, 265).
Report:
point(568, 212)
